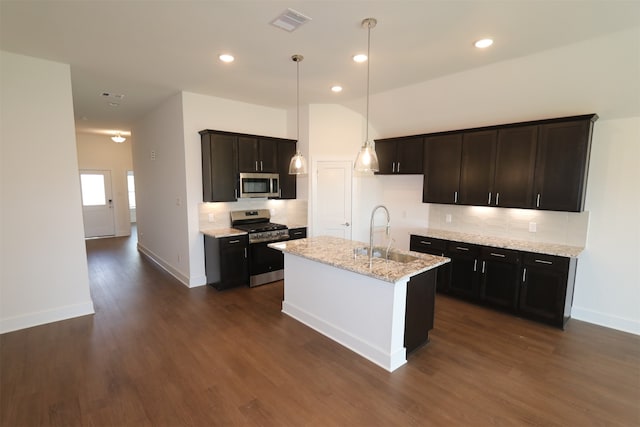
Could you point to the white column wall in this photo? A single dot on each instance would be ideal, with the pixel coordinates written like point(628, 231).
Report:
point(43, 262)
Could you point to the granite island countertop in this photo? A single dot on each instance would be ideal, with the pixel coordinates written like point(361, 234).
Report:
point(501, 242)
point(339, 253)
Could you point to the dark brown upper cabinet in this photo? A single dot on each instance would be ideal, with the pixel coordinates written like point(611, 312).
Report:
point(514, 167)
point(477, 167)
point(562, 163)
point(442, 168)
point(219, 166)
point(257, 154)
point(286, 150)
point(400, 155)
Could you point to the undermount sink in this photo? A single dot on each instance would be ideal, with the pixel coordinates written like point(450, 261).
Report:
point(379, 252)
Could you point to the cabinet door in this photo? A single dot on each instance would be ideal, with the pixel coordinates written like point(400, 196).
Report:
point(442, 168)
point(297, 233)
point(544, 287)
point(268, 155)
point(219, 173)
point(409, 155)
point(515, 162)
point(477, 168)
point(561, 165)
point(419, 311)
point(500, 270)
point(248, 160)
point(286, 150)
point(429, 245)
point(464, 268)
point(386, 152)
point(234, 266)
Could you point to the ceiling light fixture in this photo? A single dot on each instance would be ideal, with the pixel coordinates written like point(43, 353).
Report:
point(118, 138)
point(367, 160)
point(225, 57)
point(336, 88)
point(483, 43)
point(361, 57)
point(298, 164)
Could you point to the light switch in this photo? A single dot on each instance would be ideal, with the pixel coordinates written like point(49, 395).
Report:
point(447, 218)
point(210, 217)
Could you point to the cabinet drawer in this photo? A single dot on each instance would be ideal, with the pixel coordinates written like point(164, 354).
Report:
point(499, 254)
point(234, 241)
point(297, 233)
point(548, 261)
point(463, 249)
point(427, 244)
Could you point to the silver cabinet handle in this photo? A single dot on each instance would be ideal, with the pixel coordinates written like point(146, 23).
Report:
point(538, 201)
point(489, 203)
point(455, 197)
point(261, 169)
point(245, 252)
point(425, 243)
point(393, 167)
point(398, 167)
point(499, 255)
point(462, 248)
point(475, 265)
point(236, 192)
point(497, 199)
point(346, 224)
point(541, 261)
point(256, 165)
point(524, 275)
point(482, 267)
point(234, 241)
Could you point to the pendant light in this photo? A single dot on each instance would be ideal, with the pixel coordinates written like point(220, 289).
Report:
point(367, 160)
point(118, 138)
point(298, 164)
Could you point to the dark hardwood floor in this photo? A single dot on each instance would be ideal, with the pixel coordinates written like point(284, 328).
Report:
point(157, 353)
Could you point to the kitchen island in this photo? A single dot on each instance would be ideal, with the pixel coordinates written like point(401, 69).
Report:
point(381, 311)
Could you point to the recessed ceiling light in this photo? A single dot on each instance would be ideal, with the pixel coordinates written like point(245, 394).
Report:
point(483, 43)
point(226, 57)
point(336, 88)
point(361, 57)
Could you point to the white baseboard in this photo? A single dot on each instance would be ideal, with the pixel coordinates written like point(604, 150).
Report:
point(182, 278)
point(40, 318)
point(604, 319)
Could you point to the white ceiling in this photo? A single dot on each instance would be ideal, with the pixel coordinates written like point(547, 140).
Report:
point(149, 50)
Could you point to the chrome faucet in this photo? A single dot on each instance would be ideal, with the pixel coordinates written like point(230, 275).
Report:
point(373, 213)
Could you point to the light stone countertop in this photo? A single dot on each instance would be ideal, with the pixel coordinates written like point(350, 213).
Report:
point(222, 232)
point(339, 253)
point(501, 242)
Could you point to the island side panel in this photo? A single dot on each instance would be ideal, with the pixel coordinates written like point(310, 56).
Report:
point(362, 313)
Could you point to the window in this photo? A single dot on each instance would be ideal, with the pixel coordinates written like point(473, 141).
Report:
point(93, 193)
point(132, 190)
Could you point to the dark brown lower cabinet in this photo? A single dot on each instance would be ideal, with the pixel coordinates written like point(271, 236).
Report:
point(419, 313)
point(226, 261)
point(431, 246)
point(535, 286)
point(500, 277)
point(546, 293)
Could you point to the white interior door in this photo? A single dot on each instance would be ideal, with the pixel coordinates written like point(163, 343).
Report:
point(332, 204)
point(97, 203)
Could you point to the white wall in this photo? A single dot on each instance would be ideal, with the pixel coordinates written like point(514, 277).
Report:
point(44, 275)
point(161, 188)
point(99, 152)
point(596, 76)
point(608, 278)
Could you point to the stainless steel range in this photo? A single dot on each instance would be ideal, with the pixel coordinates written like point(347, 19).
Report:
point(265, 264)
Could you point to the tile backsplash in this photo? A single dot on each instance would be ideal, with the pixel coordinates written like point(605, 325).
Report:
point(567, 228)
point(289, 212)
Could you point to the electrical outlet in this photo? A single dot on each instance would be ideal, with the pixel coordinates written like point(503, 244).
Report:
point(211, 217)
point(533, 227)
point(178, 201)
point(447, 218)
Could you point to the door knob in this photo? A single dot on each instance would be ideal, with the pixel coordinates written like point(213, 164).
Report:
point(346, 224)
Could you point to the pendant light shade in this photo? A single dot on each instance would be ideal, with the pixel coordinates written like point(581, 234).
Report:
point(367, 160)
point(298, 164)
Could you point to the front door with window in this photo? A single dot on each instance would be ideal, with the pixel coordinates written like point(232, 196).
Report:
point(97, 203)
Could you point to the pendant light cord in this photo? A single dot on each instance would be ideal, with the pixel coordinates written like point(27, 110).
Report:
point(298, 100)
point(366, 141)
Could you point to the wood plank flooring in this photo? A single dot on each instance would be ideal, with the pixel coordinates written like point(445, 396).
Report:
point(159, 354)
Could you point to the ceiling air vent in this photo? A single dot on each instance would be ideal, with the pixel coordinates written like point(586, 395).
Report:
point(290, 20)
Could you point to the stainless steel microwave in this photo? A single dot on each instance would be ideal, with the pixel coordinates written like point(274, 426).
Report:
point(259, 185)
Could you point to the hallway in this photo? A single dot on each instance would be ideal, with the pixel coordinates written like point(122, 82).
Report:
point(158, 353)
